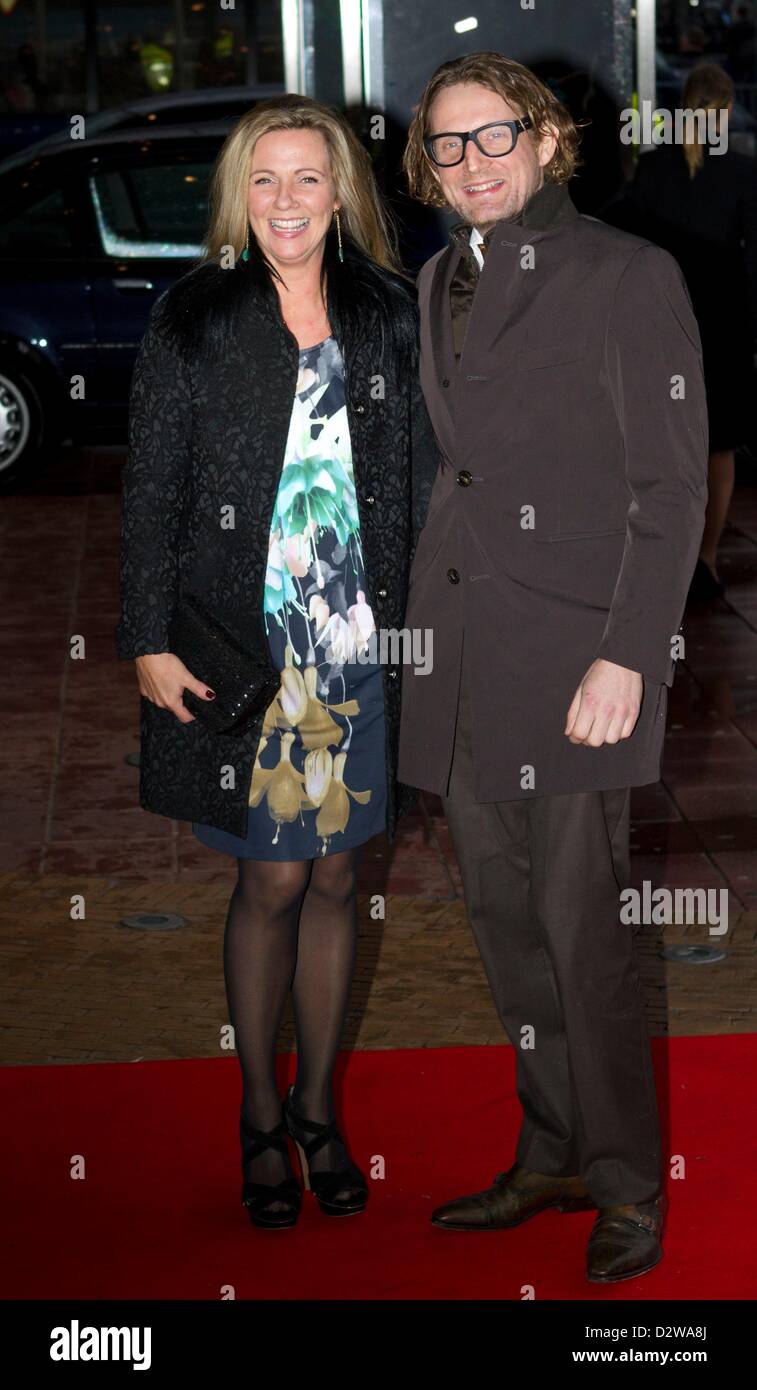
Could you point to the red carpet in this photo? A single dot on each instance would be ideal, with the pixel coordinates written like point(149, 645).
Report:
point(158, 1215)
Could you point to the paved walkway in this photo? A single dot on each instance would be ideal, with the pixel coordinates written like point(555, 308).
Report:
point(90, 990)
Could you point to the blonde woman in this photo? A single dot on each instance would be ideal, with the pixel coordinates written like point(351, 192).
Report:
point(280, 460)
point(699, 201)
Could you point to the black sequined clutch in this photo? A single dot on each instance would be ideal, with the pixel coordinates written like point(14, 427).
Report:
point(244, 680)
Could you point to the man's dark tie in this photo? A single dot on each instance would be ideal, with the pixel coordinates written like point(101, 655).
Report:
point(462, 289)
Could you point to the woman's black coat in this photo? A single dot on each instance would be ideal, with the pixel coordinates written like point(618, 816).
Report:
point(209, 412)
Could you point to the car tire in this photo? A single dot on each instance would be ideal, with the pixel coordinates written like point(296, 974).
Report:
point(25, 425)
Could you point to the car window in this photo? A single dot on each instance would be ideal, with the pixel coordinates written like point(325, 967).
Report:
point(157, 210)
point(43, 227)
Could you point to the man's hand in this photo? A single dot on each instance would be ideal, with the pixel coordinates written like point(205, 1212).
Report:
point(606, 705)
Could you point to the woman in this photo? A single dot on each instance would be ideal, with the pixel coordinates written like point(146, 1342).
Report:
point(701, 205)
point(274, 413)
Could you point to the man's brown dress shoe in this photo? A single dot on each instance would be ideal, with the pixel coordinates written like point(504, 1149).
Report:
point(516, 1195)
point(625, 1241)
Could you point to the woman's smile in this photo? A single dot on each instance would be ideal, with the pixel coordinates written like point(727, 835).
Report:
point(288, 226)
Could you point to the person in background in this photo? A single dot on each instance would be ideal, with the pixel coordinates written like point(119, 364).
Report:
point(700, 204)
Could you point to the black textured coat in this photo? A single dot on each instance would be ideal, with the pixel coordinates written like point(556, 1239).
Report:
point(210, 403)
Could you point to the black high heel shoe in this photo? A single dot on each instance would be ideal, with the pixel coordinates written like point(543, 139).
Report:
point(258, 1197)
point(327, 1185)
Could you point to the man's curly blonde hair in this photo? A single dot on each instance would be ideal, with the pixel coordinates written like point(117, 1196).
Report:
point(521, 89)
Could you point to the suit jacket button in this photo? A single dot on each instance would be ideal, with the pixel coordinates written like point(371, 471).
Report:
point(446, 381)
point(453, 576)
point(464, 478)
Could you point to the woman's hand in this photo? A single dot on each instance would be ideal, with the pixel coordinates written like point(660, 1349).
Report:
point(163, 678)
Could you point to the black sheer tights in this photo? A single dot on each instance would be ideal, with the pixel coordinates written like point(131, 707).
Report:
point(290, 926)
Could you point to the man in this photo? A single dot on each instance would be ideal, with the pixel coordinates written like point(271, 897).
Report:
point(561, 364)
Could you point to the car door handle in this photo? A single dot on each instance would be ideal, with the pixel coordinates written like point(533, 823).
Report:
point(125, 284)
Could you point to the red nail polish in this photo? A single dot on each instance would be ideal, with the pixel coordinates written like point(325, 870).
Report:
point(211, 694)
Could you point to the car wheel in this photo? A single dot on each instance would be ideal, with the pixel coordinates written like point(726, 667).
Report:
point(22, 425)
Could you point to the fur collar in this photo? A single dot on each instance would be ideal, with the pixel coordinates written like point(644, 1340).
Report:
point(201, 310)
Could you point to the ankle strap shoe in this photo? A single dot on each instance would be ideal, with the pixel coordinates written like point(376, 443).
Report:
point(339, 1191)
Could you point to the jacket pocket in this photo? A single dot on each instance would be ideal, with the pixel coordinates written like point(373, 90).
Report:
point(537, 356)
point(581, 535)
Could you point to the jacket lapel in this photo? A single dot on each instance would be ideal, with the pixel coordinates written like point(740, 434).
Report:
point(437, 357)
point(495, 325)
point(494, 313)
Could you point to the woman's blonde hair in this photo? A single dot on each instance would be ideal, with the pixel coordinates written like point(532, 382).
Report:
point(707, 87)
point(362, 216)
point(521, 89)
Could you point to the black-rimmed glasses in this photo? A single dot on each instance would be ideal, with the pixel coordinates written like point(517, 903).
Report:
point(493, 139)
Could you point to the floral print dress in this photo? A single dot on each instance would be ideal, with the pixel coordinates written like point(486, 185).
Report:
point(319, 779)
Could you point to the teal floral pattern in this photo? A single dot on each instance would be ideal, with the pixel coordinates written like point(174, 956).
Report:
point(319, 779)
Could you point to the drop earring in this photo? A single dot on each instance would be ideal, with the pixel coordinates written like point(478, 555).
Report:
point(245, 256)
point(339, 233)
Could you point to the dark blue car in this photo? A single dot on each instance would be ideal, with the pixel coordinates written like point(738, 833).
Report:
point(91, 232)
